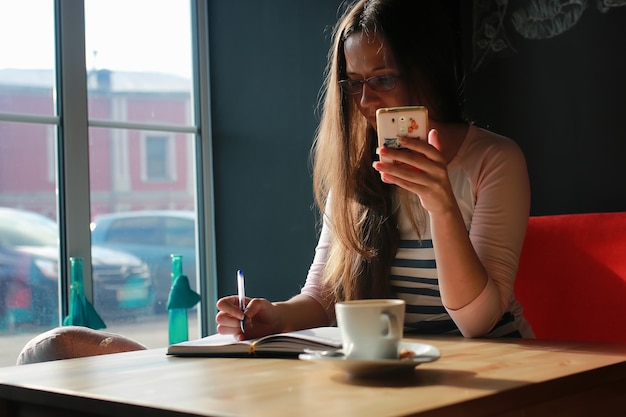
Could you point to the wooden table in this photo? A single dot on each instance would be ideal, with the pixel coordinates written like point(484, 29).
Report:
point(474, 377)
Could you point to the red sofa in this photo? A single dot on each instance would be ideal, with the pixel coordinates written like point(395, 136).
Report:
point(572, 276)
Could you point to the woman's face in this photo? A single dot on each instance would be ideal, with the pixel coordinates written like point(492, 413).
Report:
point(366, 57)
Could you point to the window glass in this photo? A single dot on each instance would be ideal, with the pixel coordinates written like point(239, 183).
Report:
point(141, 157)
point(137, 70)
point(27, 66)
point(180, 232)
point(141, 176)
point(29, 245)
point(141, 230)
point(29, 236)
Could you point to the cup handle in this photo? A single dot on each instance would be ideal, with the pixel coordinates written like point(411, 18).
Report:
point(391, 331)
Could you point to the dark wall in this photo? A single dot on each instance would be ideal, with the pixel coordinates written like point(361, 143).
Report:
point(267, 64)
point(561, 98)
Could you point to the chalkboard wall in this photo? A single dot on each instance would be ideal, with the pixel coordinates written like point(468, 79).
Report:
point(560, 96)
point(552, 76)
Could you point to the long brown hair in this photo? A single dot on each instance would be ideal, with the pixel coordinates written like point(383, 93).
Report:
point(362, 210)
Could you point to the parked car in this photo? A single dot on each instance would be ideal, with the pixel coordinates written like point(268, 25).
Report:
point(122, 283)
point(153, 236)
point(8, 272)
point(15, 292)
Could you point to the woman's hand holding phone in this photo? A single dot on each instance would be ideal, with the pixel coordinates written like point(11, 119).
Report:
point(417, 165)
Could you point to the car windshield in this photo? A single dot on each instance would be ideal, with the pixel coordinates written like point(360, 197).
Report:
point(27, 229)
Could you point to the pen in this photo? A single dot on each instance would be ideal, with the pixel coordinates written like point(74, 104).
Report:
point(241, 292)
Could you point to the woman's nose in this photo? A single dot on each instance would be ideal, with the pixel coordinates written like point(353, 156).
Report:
point(368, 96)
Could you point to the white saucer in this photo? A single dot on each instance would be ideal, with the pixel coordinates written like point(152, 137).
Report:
point(358, 368)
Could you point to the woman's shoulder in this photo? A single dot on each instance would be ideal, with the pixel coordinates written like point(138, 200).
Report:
point(485, 156)
point(481, 143)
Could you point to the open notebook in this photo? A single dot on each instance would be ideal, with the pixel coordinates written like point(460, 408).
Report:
point(283, 344)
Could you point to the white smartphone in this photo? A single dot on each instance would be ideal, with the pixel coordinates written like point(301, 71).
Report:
point(395, 122)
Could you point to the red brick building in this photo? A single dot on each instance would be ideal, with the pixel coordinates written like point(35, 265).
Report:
point(130, 168)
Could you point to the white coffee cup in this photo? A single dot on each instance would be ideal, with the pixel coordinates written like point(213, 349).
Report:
point(371, 329)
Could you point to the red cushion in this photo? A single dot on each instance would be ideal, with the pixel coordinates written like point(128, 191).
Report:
point(572, 276)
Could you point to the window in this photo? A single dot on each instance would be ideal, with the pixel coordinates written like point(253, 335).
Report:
point(120, 133)
point(159, 158)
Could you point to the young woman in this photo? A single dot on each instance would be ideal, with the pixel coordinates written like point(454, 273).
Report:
point(443, 225)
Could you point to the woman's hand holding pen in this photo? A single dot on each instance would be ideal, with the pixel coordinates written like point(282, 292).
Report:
point(261, 317)
point(423, 171)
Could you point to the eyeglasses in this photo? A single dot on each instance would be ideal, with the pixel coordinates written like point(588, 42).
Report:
point(377, 83)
